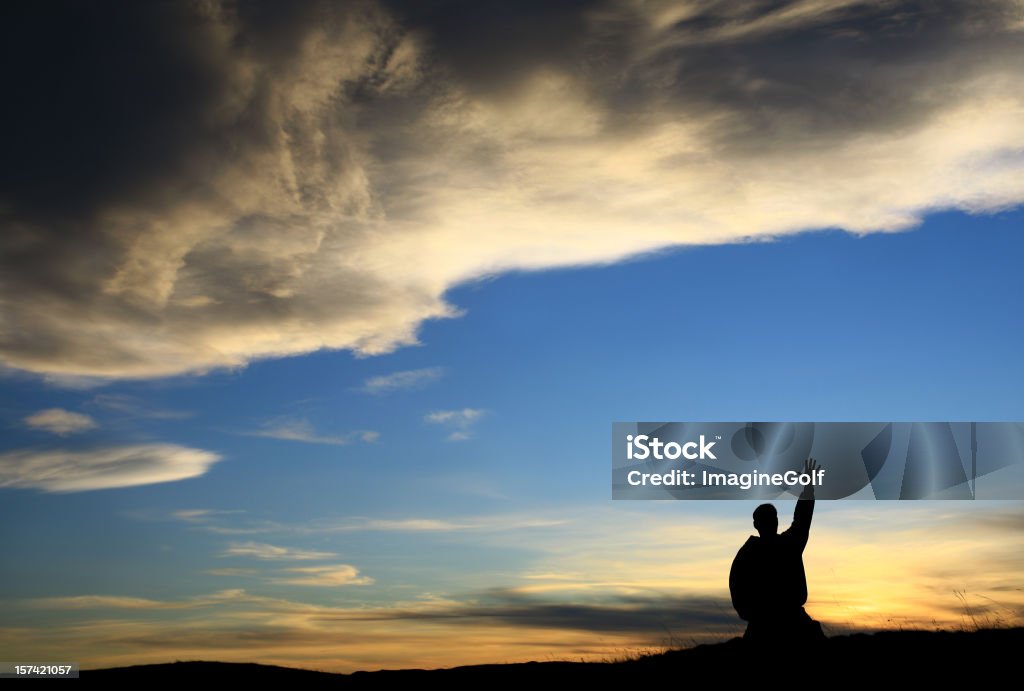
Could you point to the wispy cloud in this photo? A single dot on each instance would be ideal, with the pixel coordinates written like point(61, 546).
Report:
point(232, 572)
point(202, 515)
point(464, 416)
point(437, 525)
point(406, 379)
point(138, 603)
point(341, 574)
point(461, 420)
point(289, 429)
point(225, 523)
point(134, 406)
point(60, 421)
point(118, 466)
point(108, 602)
point(260, 550)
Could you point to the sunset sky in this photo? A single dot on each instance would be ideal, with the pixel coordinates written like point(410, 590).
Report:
point(314, 318)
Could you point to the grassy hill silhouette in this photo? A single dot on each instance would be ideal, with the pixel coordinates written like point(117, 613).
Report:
point(907, 656)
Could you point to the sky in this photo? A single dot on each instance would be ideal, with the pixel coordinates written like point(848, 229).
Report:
point(314, 318)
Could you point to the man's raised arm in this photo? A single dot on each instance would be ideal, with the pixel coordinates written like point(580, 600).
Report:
point(801, 528)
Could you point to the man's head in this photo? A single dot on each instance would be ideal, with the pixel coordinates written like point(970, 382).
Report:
point(766, 520)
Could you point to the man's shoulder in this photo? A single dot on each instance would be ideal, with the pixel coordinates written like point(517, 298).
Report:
point(750, 545)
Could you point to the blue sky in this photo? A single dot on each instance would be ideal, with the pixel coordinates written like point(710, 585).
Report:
point(821, 326)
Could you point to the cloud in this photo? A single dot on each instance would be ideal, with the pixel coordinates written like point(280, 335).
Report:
point(302, 430)
point(413, 525)
point(208, 184)
point(341, 574)
point(225, 523)
point(60, 421)
point(649, 613)
point(60, 470)
point(1010, 520)
point(461, 420)
point(259, 550)
point(202, 515)
point(231, 572)
point(618, 614)
point(406, 379)
point(131, 405)
point(454, 417)
point(436, 525)
point(138, 603)
point(107, 602)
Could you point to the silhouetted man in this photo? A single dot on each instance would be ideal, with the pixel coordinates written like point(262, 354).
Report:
point(767, 580)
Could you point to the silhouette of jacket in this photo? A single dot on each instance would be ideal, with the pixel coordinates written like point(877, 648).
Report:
point(767, 579)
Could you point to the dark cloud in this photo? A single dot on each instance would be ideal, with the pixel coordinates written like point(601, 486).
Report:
point(164, 145)
point(105, 101)
point(781, 71)
point(194, 185)
point(844, 72)
point(1010, 520)
point(656, 615)
point(488, 44)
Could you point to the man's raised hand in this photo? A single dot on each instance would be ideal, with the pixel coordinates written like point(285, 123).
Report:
point(810, 465)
